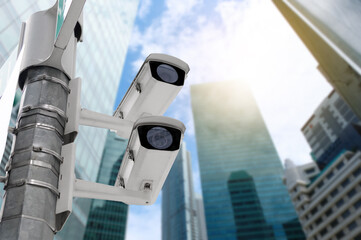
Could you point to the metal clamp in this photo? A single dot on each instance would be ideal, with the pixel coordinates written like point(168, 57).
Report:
point(39, 125)
point(5, 178)
point(34, 162)
point(29, 217)
point(50, 79)
point(131, 155)
point(39, 149)
point(138, 88)
point(34, 182)
point(46, 107)
point(11, 130)
point(49, 151)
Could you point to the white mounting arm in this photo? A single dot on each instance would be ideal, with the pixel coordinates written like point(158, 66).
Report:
point(86, 189)
point(70, 21)
point(78, 115)
point(122, 127)
point(70, 187)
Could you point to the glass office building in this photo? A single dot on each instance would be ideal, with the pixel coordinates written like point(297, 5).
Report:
point(331, 30)
point(181, 217)
point(241, 173)
point(332, 129)
point(107, 29)
point(107, 219)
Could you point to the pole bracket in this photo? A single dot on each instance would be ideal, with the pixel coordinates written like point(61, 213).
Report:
point(45, 77)
point(29, 217)
point(39, 125)
point(48, 108)
point(56, 155)
point(34, 162)
point(34, 182)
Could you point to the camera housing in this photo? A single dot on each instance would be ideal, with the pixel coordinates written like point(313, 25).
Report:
point(154, 88)
point(152, 148)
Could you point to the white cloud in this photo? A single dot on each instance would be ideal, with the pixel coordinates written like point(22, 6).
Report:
point(144, 8)
point(144, 222)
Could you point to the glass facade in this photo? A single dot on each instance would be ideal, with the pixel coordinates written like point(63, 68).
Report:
point(107, 219)
point(248, 214)
point(237, 159)
point(100, 57)
point(12, 13)
point(339, 20)
point(332, 129)
point(179, 214)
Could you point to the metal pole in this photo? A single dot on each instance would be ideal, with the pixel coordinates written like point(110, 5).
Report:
point(29, 207)
point(32, 187)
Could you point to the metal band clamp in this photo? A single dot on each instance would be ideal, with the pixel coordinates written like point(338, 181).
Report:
point(39, 149)
point(34, 182)
point(39, 125)
point(46, 107)
point(29, 217)
point(50, 79)
point(34, 162)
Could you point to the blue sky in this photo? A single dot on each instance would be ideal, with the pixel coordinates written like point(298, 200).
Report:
point(245, 40)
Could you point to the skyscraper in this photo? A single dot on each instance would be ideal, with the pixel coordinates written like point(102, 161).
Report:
point(247, 209)
point(237, 159)
point(180, 215)
point(328, 203)
point(331, 30)
point(107, 219)
point(100, 57)
point(331, 129)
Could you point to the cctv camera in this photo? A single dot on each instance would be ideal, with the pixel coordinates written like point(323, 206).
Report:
point(154, 88)
point(152, 148)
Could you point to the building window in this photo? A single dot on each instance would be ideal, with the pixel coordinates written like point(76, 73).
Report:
point(318, 221)
point(352, 226)
point(310, 170)
point(334, 223)
point(351, 193)
point(330, 175)
point(339, 203)
point(340, 165)
point(345, 182)
point(345, 214)
point(334, 192)
point(323, 232)
point(357, 172)
point(339, 235)
point(323, 202)
point(320, 184)
point(357, 204)
point(314, 210)
point(328, 212)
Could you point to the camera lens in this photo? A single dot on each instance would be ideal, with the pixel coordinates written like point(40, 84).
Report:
point(159, 138)
point(167, 73)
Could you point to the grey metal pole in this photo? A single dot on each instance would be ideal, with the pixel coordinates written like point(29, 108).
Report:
point(31, 190)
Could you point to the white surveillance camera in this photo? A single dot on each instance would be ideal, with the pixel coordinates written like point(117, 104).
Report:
point(152, 148)
point(154, 88)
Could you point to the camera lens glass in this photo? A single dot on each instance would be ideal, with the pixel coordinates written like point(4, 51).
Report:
point(167, 73)
point(159, 138)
